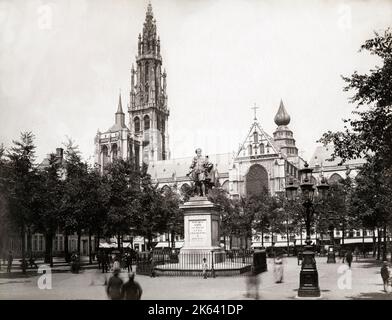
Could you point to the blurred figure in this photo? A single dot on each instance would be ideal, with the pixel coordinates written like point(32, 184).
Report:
point(116, 263)
point(204, 268)
point(10, 259)
point(385, 275)
point(114, 286)
point(132, 290)
point(278, 269)
point(349, 258)
point(252, 285)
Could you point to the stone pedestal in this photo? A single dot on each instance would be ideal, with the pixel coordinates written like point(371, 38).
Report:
point(308, 283)
point(201, 233)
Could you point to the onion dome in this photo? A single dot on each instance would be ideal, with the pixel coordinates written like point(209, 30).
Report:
point(282, 118)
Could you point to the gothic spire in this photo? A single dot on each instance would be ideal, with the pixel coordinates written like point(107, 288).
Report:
point(282, 118)
point(119, 109)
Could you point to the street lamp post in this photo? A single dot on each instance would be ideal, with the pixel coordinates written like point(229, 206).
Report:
point(309, 286)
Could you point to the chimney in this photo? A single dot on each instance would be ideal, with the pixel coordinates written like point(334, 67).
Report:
point(59, 153)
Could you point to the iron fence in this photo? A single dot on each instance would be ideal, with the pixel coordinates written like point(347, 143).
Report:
point(191, 263)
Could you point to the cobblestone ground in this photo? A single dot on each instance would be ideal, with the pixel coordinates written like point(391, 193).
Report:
point(90, 284)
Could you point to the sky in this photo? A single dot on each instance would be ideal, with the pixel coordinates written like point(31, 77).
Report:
point(64, 62)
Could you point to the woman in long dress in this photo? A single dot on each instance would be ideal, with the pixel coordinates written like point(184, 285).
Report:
point(278, 269)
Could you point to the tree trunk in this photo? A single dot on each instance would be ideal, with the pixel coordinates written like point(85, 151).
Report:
point(343, 233)
point(384, 251)
point(118, 241)
point(230, 242)
point(168, 240)
point(262, 238)
point(173, 241)
point(66, 250)
point(49, 248)
point(79, 241)
point(300, 233)
point(288, 242)
point(363, 242)
point(22, 238)
point(23, 249)
point(98, 236)
point(378, 244)
point(90, 248)
point(374, 243)
point(29, 246)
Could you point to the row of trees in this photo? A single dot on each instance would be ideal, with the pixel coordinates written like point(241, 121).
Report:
point(69, 196)
point(368, 134)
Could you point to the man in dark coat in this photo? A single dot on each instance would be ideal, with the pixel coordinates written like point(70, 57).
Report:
point(132, 290)
point(114, 287)
point(349, 258)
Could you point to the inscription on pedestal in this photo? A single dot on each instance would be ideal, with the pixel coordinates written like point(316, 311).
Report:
point(197, 231)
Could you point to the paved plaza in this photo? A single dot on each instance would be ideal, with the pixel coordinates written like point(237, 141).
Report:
point(90, 284)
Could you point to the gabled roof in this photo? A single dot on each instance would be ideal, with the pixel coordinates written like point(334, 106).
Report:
point(323, 153)
point(265, 137)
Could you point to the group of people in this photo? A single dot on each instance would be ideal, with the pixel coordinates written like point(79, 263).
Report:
point(108, 261)
point(116, 289)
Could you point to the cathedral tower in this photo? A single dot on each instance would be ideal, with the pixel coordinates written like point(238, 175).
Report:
point(283, 136)
point(148, 111)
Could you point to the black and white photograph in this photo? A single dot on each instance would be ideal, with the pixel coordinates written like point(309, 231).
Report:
point(215, 150)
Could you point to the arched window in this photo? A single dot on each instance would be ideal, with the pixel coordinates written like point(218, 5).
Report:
point(105, 155)
point(146, 120)
point(225, 186)
point(335, 179)
point(262, 148)
point(250, 149)
point(255, 137)
point(136, 123)
point(114, 151)
point(256, 180)
point(165, 189)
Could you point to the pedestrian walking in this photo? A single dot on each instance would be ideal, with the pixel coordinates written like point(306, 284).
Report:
point(128, 261)
point(10, 259)
point(349, 258)
point(132, 290)
point(114, 286)
point(116, 264)
point(278, 269)
point(386, 276)
point(204, 268)
point(252, 284)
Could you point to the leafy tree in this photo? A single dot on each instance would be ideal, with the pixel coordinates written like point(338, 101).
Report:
point(369, 132)
point(21, 180)
point(124, 197)
point(72, 207)
point(47, 193)
point(172, 214)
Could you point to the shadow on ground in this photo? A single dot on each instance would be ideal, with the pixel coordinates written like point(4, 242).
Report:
point(372, 296)
point(369, 263)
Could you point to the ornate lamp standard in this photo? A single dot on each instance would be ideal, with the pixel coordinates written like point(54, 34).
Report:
point(309, 286)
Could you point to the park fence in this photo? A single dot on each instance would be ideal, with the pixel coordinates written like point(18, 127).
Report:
point(218, 263)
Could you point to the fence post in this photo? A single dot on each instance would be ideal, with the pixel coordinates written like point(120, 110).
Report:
point(212, 264)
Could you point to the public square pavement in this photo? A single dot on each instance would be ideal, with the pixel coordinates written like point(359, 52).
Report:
point(90, 284)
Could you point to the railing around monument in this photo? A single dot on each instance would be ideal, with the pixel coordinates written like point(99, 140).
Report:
point(221, 263)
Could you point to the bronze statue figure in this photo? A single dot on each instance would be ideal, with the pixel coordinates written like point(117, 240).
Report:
point(201, 173)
